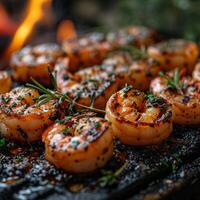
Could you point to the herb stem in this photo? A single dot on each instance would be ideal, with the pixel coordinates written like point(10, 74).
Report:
point(48, 95)
point(121, 169)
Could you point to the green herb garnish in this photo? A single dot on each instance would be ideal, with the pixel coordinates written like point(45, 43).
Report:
point(173, 81)
point(2, 143)
point(64, 121)
point(153, 100)
point(66, 131)
point(48, 95)
point(135, 52)
point(127, 88)
point(97, 124)
point(109, 177)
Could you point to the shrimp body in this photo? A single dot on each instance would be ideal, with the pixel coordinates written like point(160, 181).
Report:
point(175, 54)
point(80, 145)
point(21, 118)
point(90, 86)
point(138, 36)
point(196, 72)
point(137, 120)
point(186, 106)
point(5, 82)
point(86, 51)
point(137, 73)
point(34, 62)
point(91, 49)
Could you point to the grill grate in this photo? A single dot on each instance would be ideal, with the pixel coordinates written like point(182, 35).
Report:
point(25, 174)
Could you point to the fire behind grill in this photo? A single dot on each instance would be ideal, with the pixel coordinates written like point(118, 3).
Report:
point(153, 172)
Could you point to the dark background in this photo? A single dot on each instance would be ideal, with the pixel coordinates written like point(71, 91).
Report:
point(174, 17)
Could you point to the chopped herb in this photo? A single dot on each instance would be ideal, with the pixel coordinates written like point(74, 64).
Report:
point(66, 131)
point(164, 163)
point(153, 100)
point(135, 52)
point(13, 104)
point(127, 88)
point(97, 124)
point(20, 98)
point(64, 121)
point(5, 99)
point(18, 158)
point(2, 143)
point(109, 178)
point(174, 81)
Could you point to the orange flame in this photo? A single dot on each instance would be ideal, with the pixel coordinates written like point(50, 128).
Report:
point(66, 30)
point(34, 13)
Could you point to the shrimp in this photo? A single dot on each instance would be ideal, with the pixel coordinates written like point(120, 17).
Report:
point(34, 62)
point(21, 118)
point(196, 72)
point(175, 54)
point(138, 36)
point(5, 82)
point(185, 98)
point(90, 86)
point(86, 50)
point(137, 73)
point(91, 49)
point(139, 119)
point(79, 144)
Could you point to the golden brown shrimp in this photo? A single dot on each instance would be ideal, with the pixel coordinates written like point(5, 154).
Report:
point(137, 73)
point(34, 62)
point(175, 54)
point(21, 118)
point(90, 86)
point(79, 144)
point(86, 51)
point(138, 36)
point(139, 119)
point(5, 82)
point(196, 72)
point(91, 49)
point(185, 98)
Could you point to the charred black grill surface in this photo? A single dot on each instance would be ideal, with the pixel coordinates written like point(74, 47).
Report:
point(152, 172)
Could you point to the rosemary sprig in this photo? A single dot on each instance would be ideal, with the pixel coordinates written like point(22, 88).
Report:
point(173, 81)
point(135, 52)
point(109, 178)
point(48, 94)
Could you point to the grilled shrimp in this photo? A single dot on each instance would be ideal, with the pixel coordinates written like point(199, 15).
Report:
point(86, 51)
point(79, 144)
point(90, 86)
point(137, 73)
point(34, 62)
point(138, 36)
point(21, 118)
point(91, 49)
point(185, 102)
point(196, 72)
point(139, 119)
point(175, 54)
point(5, 82)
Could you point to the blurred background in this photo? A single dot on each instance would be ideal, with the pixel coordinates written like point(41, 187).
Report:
point(54, 20)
